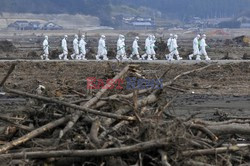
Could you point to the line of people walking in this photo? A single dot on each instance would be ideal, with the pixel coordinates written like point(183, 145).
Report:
point(79, 48)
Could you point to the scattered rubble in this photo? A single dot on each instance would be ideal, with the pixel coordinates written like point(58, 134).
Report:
point(7, 46)
point(244, 41)
point(246, 56)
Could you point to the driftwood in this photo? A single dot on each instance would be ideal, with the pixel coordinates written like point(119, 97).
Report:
point(232, 128)
point(6, 119)
point(211, 151)
point(33, 134)
point(196, 163)
point(149, 145)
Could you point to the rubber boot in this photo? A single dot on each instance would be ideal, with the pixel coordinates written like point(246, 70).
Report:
point(191, 56)
point(60, 56)
point(154, 57)
point(73, 56)
point(149, 58)
point(178, 57)
point(47, 57)
point(65, 57)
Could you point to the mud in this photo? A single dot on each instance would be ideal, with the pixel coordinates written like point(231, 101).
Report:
point(210, 107)
point(7, 46)
point(221, 86)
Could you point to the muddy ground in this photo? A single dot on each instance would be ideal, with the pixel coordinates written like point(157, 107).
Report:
point(28, 44)
point(223, 87)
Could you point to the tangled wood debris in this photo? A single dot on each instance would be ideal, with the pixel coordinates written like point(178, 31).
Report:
point(120, 129)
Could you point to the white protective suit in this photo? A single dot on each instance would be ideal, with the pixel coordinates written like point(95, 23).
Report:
point(121, 53)
point(75, 55)
point(124, 57)
point(102, 51)
point(148, 48)
point(64, 48)
point(82, 46)
point(45, 49)
point(174, 49)
point(152, 46)
point(169, 43)
point(196, 51)
point(135, 48)
point(203, 46)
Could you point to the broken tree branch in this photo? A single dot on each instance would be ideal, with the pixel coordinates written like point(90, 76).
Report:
point(212, 151)
point(94, 133)
point(232, 128)
point(204, 130)
point(33, 134)
point(94, 100)
point(12, 67)
point(149, 145)
point(6, 119)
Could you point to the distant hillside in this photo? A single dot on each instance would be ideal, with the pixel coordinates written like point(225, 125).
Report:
point(99, 8)
point(189, 8)
point(181, 9)
point(67, 21)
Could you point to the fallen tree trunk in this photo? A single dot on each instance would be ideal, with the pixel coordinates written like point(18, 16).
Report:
point(232, 128)
point(149, 145)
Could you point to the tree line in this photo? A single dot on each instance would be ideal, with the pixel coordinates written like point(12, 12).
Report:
point(181, 9)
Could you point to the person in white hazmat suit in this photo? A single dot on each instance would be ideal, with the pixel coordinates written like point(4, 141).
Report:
point(135, 48)
point(121, 53)
point(82, 46)
point(75, 55)
point(124, 57)
point(169, 42)
point(153, 47)
point(148, 48)
point(102, 50)
point(196, 51)
point(64, 55)
point(203, 46)
point(174, 49)
point(45, 48)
